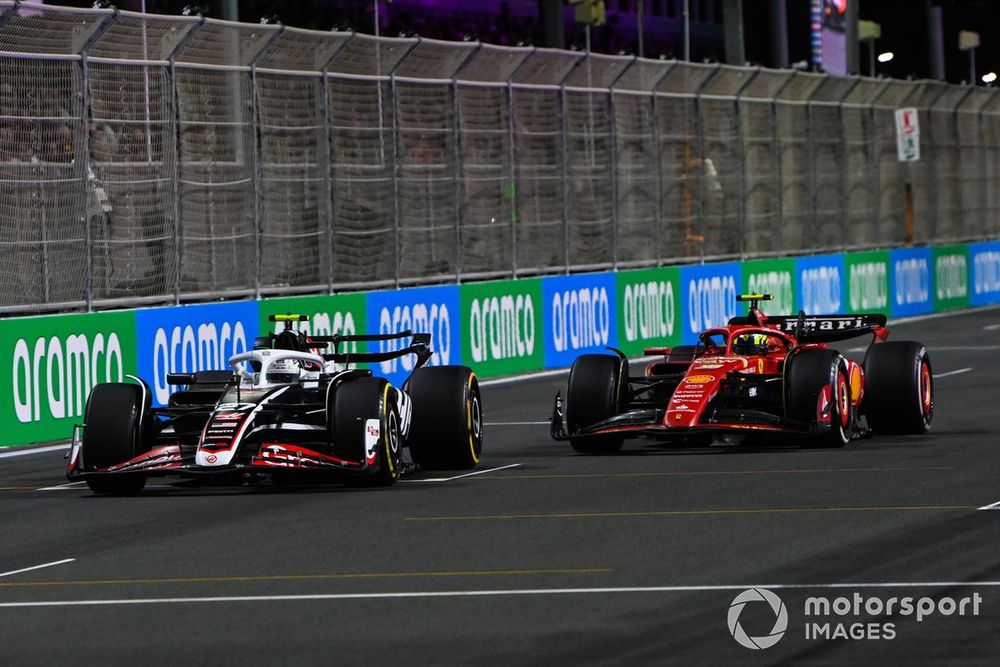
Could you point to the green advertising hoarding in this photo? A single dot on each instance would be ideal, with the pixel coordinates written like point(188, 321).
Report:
point(502, 326)
point(951, 277)
point(328, 314)
point(867, 281)
point(775, 277)
point(54, 361)
point(648, 309)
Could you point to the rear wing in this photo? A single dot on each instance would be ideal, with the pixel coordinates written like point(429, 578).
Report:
point(420, 345)
point(829, 328)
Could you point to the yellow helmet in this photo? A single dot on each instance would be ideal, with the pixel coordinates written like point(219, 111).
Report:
point(748, 344)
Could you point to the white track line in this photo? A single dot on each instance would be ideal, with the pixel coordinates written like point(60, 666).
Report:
point(35, 450)
point(958, 372)
point(543, 423)
point(992, 506)
point(500, 593)
point(62, 487)
point(483, 472)
point(37, 567)
point(448, 479)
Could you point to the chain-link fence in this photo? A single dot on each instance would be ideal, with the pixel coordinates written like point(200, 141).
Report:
point(149, 159)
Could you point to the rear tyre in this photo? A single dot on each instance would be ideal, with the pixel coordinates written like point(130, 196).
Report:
point(355, 404)
point(597, 383)
point(807, 375)
point(116, 423)
point(446, 429)
point(899, 389)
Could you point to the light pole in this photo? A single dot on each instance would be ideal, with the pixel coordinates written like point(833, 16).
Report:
point(869, 31)
point(968, 41)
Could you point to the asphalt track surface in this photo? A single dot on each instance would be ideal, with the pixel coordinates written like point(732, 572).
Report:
point(559, 558)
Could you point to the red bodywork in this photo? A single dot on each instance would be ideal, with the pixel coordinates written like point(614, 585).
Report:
point(681, 391)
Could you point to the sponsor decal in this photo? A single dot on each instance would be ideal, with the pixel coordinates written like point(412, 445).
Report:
point(433, 310)
point(649, 308)
point(951, 277)
point(709, 297)
point(821, 284)
point(984, 259)
point(698, 379)
point(774, 277)
point(503, 326)
point(191, 338)
point(868, 282)
point(53, 363)
point(578, 317)
point(911, 281)
point(211, 458)
point(372, 434)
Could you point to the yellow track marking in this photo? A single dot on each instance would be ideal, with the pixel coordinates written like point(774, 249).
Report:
point(309, 577)
point(700, 473)
point(707, 512)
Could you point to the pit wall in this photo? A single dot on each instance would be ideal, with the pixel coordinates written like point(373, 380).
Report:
point(497, 328)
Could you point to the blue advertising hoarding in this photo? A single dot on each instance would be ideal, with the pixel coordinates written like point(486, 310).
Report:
point(578, 316)
point(433, 310)
point(708, 297)
point(822, 281)
point(910, 282)
point(984, 273)
point(185, 339)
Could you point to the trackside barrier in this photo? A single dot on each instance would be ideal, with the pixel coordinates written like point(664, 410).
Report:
point(498, 328)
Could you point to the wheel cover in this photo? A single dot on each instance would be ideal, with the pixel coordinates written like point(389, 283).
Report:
point(474, 421)
point(843, 400)
point(926, 393)
point(392, 444)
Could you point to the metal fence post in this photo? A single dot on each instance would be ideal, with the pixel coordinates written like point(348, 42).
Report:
point(456, 126)
point(178, 208)
point(258, 175)
point(613, 137)
point(326, 155)
point(565, 172)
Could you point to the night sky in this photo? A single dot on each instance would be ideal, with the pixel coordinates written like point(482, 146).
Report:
point(905, 28)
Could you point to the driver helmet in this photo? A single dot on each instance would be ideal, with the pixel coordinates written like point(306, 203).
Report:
point(283, 371)
point(748, 344)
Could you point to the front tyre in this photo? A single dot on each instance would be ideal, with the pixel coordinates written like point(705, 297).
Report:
point(358, 407)
point(596, 386)
point(117, 422)
point(446, 429)
point(899, 388)
point(817, 392)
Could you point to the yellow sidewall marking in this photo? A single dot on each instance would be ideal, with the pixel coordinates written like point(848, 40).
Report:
point(468, 420)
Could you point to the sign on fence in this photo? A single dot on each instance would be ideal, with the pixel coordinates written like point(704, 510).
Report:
point(907, 134)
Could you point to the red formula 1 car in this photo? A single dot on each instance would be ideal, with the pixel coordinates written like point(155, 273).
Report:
point(761, 378)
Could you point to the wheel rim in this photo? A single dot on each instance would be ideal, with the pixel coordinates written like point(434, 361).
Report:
point(393, 435)
point(926, 394)
point(474, 424)
point(843, 400)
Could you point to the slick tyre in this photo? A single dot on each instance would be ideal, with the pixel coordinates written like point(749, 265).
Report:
point(899, 388)
point(117, 421)
point(596, 385)
point(446, 429)
point(358, 405)
point(807, 375)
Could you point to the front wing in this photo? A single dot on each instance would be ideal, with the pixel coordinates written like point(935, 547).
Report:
point(648, 423)
point(176, 460)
